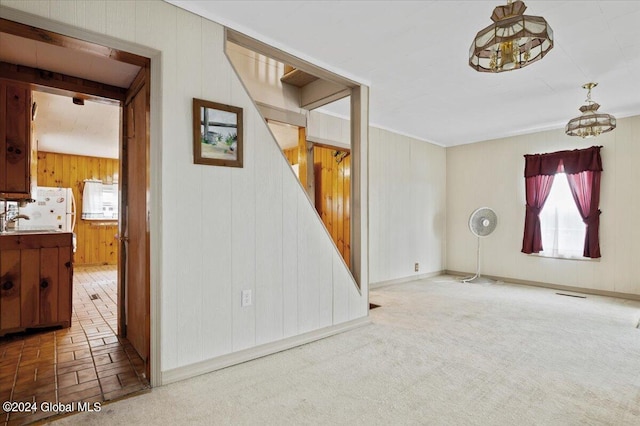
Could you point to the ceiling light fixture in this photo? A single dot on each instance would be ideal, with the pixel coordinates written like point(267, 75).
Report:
point(590, 123)
point(513, 40)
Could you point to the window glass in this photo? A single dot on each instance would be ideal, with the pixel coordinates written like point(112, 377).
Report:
point(563, 230)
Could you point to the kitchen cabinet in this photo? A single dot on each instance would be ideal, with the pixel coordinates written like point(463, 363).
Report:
point(36, 275)
point(17, 150)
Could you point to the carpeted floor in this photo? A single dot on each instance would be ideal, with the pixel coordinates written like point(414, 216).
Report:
point(438, 352)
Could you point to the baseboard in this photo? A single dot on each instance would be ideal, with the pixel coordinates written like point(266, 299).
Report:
point(203, 367)
point(405, 279)
point(583, 290)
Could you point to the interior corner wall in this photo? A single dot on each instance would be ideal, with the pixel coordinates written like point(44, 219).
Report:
point(328, 129)
point(261, 76)
point(407, 207)
point(491, 174)
point(222, 229)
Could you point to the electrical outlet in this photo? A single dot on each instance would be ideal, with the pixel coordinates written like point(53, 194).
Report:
point(246, 298)
point(416, 267)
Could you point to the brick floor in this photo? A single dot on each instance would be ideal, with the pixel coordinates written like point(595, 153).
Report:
point(87, 362)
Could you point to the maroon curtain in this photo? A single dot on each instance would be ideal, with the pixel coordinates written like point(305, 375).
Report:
point(538, 188)
point(583, 168)
point(585, 188)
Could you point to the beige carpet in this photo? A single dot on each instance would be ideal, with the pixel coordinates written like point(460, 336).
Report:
point(438, 352)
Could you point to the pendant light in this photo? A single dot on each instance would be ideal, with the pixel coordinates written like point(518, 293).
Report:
point(591, 123)
point(513, 41)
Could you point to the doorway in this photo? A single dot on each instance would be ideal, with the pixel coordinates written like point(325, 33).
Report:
point(132, 292)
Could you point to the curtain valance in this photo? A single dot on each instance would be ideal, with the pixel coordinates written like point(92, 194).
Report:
point(570, 162)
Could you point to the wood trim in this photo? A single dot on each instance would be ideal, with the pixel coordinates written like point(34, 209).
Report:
point(138, 83)
point(552, 286)
point(410, 278)
point(359, 185)
point(62, 84)
point(56, 39)
point(224, 361)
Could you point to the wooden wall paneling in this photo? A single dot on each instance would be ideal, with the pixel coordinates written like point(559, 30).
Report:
point(292, 155)
point(347, 211)
point(29, 286)
point(290, 194)
point(308, 273)
point(189, 60)
point(218, 297)
point(96, 244)
point(216, 262)
point(269, 290)
point(65, 273)
point(332, 193)
point(18, 99)
point(341, 283)
point(302, 158)
point(243, 231)
point(10, 297)
point(341, 199)
point(48, 287)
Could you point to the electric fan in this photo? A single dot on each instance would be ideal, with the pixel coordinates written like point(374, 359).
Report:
point(482, 223)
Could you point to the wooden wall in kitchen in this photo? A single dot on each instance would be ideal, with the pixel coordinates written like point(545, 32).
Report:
point(96, 241)
point(333, 190)
point(292, 155)
point(332, 193)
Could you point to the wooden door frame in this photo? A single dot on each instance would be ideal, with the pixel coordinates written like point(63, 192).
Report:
point(45, 30)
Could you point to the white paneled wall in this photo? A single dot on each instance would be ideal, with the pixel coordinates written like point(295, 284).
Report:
point(262, 75)
point(328, 129)
point(407, 181)
point(222, 230)
point(491, 174)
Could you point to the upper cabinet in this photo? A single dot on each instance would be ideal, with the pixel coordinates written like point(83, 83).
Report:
point(16, 146)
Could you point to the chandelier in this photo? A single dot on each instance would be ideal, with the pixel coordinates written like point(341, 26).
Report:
point(590, 123)
point(513, 40)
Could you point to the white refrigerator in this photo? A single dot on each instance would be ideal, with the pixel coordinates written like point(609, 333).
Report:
point(54, 208)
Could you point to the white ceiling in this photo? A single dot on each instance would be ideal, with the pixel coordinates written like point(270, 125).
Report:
point(91, 129)
point(414, 56)
point(61, 126)
point(36, 54)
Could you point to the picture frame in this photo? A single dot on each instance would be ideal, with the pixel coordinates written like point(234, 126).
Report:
point(217, 134)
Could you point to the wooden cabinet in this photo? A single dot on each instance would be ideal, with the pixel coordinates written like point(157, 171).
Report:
point(36, 275)
point(16, 147)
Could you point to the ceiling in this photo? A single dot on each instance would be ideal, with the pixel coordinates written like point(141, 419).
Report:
point(36, 54)
point(414, 56)
point(92, 129)
point(61, 126)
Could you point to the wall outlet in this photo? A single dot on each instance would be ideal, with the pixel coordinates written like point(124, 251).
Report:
point(416, 267)
point(246, 298)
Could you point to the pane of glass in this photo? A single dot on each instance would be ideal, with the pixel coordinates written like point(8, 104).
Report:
point(562, 227)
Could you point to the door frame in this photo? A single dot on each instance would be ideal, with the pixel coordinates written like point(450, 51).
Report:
point(64, 35)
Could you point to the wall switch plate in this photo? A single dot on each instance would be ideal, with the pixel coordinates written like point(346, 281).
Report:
point(246, 298)
point(416, 267)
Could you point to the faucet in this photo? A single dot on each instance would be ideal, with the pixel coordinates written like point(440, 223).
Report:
point(15, 218)
point(10, 223)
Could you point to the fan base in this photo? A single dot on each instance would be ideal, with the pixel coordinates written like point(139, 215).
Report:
point(478, 279)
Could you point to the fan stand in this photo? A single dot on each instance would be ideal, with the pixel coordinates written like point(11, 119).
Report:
point(477, 278)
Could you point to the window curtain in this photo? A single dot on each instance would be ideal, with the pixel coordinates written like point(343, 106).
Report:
point(538, 188)
point(585, 188)
point(92, 199)
point(583, 168)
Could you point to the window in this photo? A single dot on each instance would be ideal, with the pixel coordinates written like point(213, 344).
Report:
point(560, 222)
point(583, 168)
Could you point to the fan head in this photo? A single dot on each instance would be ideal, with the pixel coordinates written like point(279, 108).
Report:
point(483, 222)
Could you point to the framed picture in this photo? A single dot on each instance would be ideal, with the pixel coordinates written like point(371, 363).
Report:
point(217, 134)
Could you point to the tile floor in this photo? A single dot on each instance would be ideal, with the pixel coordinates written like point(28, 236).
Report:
point(86, 362)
